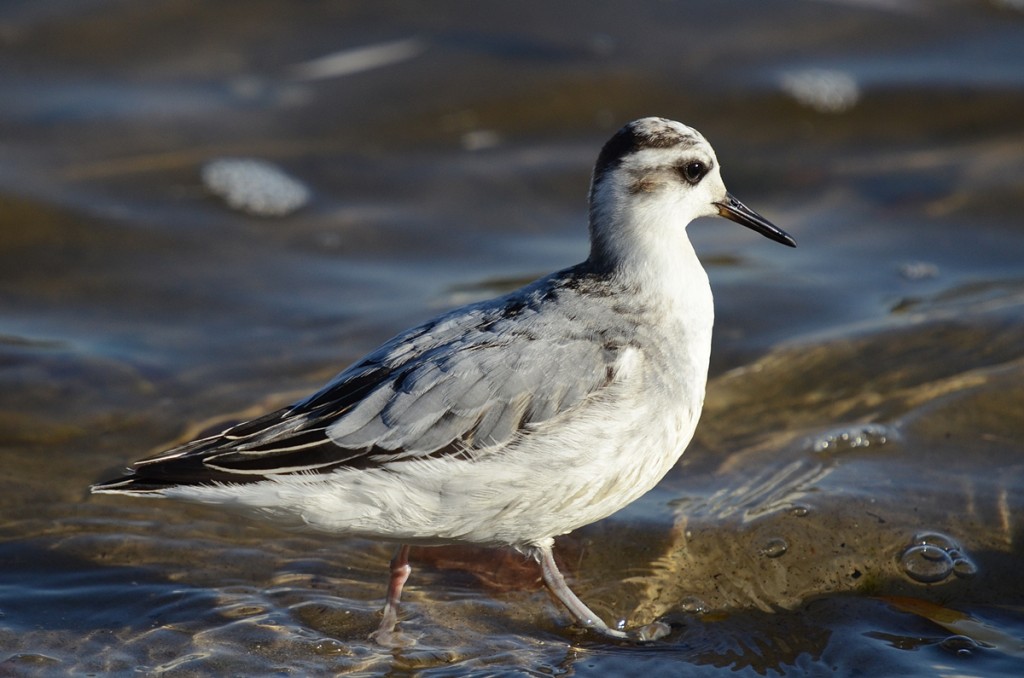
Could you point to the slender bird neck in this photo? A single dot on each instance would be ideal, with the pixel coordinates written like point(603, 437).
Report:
point(644, 246)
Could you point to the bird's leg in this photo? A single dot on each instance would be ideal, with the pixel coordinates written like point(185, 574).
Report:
point(400, 571)
point(555, 582)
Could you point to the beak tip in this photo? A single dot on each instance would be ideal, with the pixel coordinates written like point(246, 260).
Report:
point(734, 210)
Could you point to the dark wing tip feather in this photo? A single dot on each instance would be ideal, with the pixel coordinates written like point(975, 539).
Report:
point(155, 477)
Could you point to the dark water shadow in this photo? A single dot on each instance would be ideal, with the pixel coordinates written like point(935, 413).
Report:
point(46, 588)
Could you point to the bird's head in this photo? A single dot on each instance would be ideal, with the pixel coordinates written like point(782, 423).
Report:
point(651, 179)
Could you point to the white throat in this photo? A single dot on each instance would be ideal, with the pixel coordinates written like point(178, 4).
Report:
point(642, 241)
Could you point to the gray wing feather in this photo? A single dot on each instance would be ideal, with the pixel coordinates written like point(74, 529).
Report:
point(475, 392)
point(464, 383)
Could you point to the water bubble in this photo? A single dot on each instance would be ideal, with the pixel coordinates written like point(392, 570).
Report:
point(918, 270)
point(926, 563)
point(693, 605)
point(774, 547)
point(329, 647)
point(936, 539)
point(932, 556)
point(961, 646)
point(254, 186)
point(964, 567)
point(826, 91)
point(841, 440)
point(799, 511)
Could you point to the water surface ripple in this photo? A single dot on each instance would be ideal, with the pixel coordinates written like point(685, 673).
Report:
point(852, 501)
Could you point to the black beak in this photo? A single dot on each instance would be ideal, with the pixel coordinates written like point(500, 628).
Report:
point(734, 210)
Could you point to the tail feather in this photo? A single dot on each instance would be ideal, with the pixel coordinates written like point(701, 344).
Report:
point(131, 485)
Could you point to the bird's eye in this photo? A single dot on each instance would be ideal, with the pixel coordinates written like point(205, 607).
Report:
point(693, 171)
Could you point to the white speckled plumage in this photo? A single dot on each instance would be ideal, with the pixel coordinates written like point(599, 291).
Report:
point(510, 421)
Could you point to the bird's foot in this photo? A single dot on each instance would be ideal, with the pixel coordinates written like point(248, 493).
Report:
point(392, 638)
point(643, 634)
point(649, 633)
point(388, 635)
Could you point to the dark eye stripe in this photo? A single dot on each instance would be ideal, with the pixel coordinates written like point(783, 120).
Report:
point(635, 137)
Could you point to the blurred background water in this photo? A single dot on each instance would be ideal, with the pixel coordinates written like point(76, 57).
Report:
point(851, 504)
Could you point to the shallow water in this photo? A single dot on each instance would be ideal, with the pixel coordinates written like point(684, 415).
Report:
point(851, 502)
